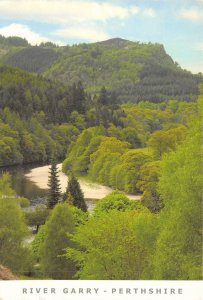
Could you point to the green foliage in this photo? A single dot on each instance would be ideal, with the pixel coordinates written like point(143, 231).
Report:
point(38, 242)
point(13, 231)
point(148, 148)
point(26, 94)
point(31, 112)
point(32, 140)
point(146, 118)
point(78, 98)
point(9, 145)
point(59, 225)
point(74, 194)
point(13, 41)
point(132, 70)
point(117, 245)
point(5, 186)
point(37, 216)
point(130, 135)
point(163, 141)
point(37, 115)
point(102, 160)
point(77, 120)
point(115, 200)
point(78, 158)
point(79, 216)
point(33, 59)
point(54, 192)
point(201, 89)
point(131, 163)
point(61, 136)
point(23, 202)
point(149, 176)
point(107, 155)
point(178, 253)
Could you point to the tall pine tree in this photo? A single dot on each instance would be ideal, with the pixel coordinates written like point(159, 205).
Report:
point(103, 98)
point(74, 192)
point(54, 193)
point(77, 98)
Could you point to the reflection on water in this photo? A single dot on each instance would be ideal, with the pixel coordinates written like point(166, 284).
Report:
point(24, 187)
point(30, 181)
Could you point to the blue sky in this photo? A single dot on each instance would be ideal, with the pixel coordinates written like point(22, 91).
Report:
point(177, 24)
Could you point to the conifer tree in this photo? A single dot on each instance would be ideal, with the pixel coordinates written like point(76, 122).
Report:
point(103, 97)
point(77, 98)
point(75, 193)
point(54, 193)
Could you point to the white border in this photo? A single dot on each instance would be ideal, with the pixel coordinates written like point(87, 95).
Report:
point(115, 290)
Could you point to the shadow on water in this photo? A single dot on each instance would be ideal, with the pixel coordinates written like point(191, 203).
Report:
point(23, 186)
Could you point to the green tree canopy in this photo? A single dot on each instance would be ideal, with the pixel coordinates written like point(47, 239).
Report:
point(178, 253)
point(115, 200)
point(117, 245)
point(165, 140)
point(37, 216)
point(54, 192)
point(59, 225)
point(74, 194)
point(147, 183)
point(13, 231)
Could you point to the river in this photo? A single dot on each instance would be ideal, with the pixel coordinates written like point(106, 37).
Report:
point(31, 182)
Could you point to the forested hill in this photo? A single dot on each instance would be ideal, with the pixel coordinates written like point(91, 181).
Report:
point(28, 94)
point(134, 71)
point(35, 116)
point(17, 52)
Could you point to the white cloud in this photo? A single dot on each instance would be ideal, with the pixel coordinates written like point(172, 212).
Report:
point(62, 11)
point(75, 18)
point(85, 33)
point(24, 31)
point(66, 11)
point(149, 12)
point(192, 14)
point(134, 10)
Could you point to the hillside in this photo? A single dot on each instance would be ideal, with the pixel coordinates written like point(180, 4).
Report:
point(33, 59)
point(133, 71)
point(35, 117)
point(9, 46)
point(17, 52)
point(147, 149)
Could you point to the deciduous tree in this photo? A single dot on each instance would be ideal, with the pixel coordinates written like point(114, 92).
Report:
point(59, 225)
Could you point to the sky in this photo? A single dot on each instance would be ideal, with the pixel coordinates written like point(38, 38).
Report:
point(177, 24)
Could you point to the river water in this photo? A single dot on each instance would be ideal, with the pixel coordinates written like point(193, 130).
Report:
point(30, 181)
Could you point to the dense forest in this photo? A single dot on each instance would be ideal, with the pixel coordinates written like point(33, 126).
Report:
point(37, 117)
point(133, 71)
point(75, 244)
point(118, 113)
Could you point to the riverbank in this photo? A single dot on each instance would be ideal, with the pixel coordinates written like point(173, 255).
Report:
point(39, 176)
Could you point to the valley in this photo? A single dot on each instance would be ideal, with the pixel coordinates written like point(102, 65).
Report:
point(124, 121)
